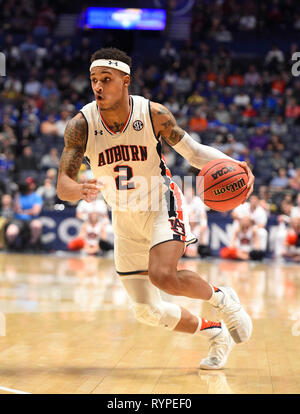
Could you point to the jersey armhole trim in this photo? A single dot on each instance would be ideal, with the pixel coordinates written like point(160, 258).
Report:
point(87, 129)
point(150, 115)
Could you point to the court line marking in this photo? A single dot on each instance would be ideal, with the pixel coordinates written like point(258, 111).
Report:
point(14, 391)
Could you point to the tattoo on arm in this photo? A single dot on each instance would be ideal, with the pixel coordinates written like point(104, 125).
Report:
point(165, 124)
point(75, 142)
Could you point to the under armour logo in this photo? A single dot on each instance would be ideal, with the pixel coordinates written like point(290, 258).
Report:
point(113, 63)
point(98, 132)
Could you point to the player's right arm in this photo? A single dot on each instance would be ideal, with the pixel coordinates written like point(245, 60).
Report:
point(71, 159)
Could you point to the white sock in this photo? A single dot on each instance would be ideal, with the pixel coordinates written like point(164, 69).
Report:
point(207, 328)
point(217, 296)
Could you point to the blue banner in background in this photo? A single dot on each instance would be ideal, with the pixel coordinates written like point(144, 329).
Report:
point(59, 227)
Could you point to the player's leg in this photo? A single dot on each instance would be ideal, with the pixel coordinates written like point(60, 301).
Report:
point(149, 308)
point(163, 273)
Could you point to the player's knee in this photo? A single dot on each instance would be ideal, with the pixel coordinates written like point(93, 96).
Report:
point(166, 315)
point(162, 276)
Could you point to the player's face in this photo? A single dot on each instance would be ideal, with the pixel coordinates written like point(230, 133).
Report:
point(109, 86)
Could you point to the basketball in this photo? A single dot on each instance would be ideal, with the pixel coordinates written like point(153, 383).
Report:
point(222, 185)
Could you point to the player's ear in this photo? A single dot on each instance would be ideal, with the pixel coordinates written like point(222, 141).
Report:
point(126, 80)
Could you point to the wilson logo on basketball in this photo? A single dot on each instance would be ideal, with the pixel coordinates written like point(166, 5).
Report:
point(138, 125)
point(230, 187)
point(223, 171)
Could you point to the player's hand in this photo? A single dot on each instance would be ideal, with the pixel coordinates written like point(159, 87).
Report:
point(251, 178)
point(90, 190)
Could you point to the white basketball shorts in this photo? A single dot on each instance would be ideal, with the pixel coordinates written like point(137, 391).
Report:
point(135, 233)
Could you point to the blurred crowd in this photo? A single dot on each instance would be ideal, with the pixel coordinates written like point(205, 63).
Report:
point(248, 108)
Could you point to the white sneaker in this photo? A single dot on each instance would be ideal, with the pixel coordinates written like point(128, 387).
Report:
point(219, 350)
point(234, 315)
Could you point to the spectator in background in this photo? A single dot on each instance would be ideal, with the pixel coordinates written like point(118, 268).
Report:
point(278, 161)
point(25, 230)
point(48, 127)
point(197, 212)
point(32, 86)
point(27, 161)
point(291, 249)
point(295, 212)
point(48, 88)
point(245, 242)
point(241, 99)
point(292, 109)
point(168, 55)
point(294, 182)
point(6, 216)
point(278, 126)
point(62, 123)
point(281, 181)
point(252, 77)
point(259, 140)
point(198, 122)
point(274, 58)
point(48, 193)
point(50, 160)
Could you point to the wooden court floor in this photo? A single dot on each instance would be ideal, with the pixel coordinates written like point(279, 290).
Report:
point(66, 327)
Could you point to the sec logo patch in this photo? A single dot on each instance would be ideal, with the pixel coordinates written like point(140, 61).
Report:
point(138, 125)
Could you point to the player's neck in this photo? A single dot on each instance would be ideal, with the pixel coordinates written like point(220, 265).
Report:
point(116, 117)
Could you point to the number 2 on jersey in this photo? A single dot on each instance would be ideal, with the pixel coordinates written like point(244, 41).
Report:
point(122, 180)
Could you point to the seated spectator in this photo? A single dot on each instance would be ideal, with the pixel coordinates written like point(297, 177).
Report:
point(278, 126)
point(259, 140)
point(258, 101)
point(48, 127)
point(235, 79)
point(27, 161)
point(168, 55)
point(278, 161)
point(294, 182)
point(6, 216)
point(275, 144)
point(48, 88)
point(248, 114)
point(198, 121)
point(222, 114)
point(50, 160)
point(235, 148)
point(241, 99)
point(295, 212)
point(48, 193)
point(274, 57)
point(25, 229)
point(62, 123)
point(281, 181)
point(292, 241)
point(198, 222)
point(256, 213)
point(84, 208)
point(245, 243)
point(32, 86)
point(96, 234)
point(252, 77)
point(292, 109)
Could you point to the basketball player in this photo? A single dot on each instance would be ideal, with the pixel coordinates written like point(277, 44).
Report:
point(121, 135)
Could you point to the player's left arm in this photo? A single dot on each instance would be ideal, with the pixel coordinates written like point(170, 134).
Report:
point(196, 154)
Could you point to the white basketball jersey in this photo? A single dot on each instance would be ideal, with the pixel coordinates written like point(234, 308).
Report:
point(93, 233)
point(129, 162)
point(245, 240)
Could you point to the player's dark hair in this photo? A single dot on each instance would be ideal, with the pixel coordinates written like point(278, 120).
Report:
point(111, 53)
